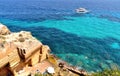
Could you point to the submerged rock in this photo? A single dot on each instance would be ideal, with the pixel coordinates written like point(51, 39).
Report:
point(115, 45)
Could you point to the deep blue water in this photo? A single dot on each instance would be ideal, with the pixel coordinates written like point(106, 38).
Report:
point(90, 41)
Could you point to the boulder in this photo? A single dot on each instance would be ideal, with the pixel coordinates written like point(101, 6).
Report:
point(4, 30)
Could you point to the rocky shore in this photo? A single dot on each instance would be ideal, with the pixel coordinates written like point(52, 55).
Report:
point(21, 54)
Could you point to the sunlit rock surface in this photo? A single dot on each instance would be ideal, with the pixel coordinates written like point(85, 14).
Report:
point(21, 54)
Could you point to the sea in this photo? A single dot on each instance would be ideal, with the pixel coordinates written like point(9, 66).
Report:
point(89, 41)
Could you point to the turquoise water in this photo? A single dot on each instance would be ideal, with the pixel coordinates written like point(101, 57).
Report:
point(89, 41)
point(92, 27)
point(115, 45)
point(85, 27)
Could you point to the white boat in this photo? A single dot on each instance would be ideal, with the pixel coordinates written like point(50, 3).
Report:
point(81, 10)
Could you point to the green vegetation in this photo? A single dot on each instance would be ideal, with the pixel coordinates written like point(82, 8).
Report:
point(108, 72)
point(39, 74)
point(53, 60)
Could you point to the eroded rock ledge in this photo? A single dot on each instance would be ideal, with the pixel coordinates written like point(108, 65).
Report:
point(21, 54)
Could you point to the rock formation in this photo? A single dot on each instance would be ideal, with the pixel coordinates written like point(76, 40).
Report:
point(4, 30)
point(21, 54)
point(19, 50)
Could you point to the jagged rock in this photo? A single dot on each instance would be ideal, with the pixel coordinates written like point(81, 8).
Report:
point(4, 30)
point(18, 50)
point(21, 51)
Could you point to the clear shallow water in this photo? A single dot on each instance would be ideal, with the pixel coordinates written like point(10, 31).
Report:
point(90, 41)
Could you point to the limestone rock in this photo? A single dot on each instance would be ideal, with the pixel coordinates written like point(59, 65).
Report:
point(19, 50)
point(4, 30)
